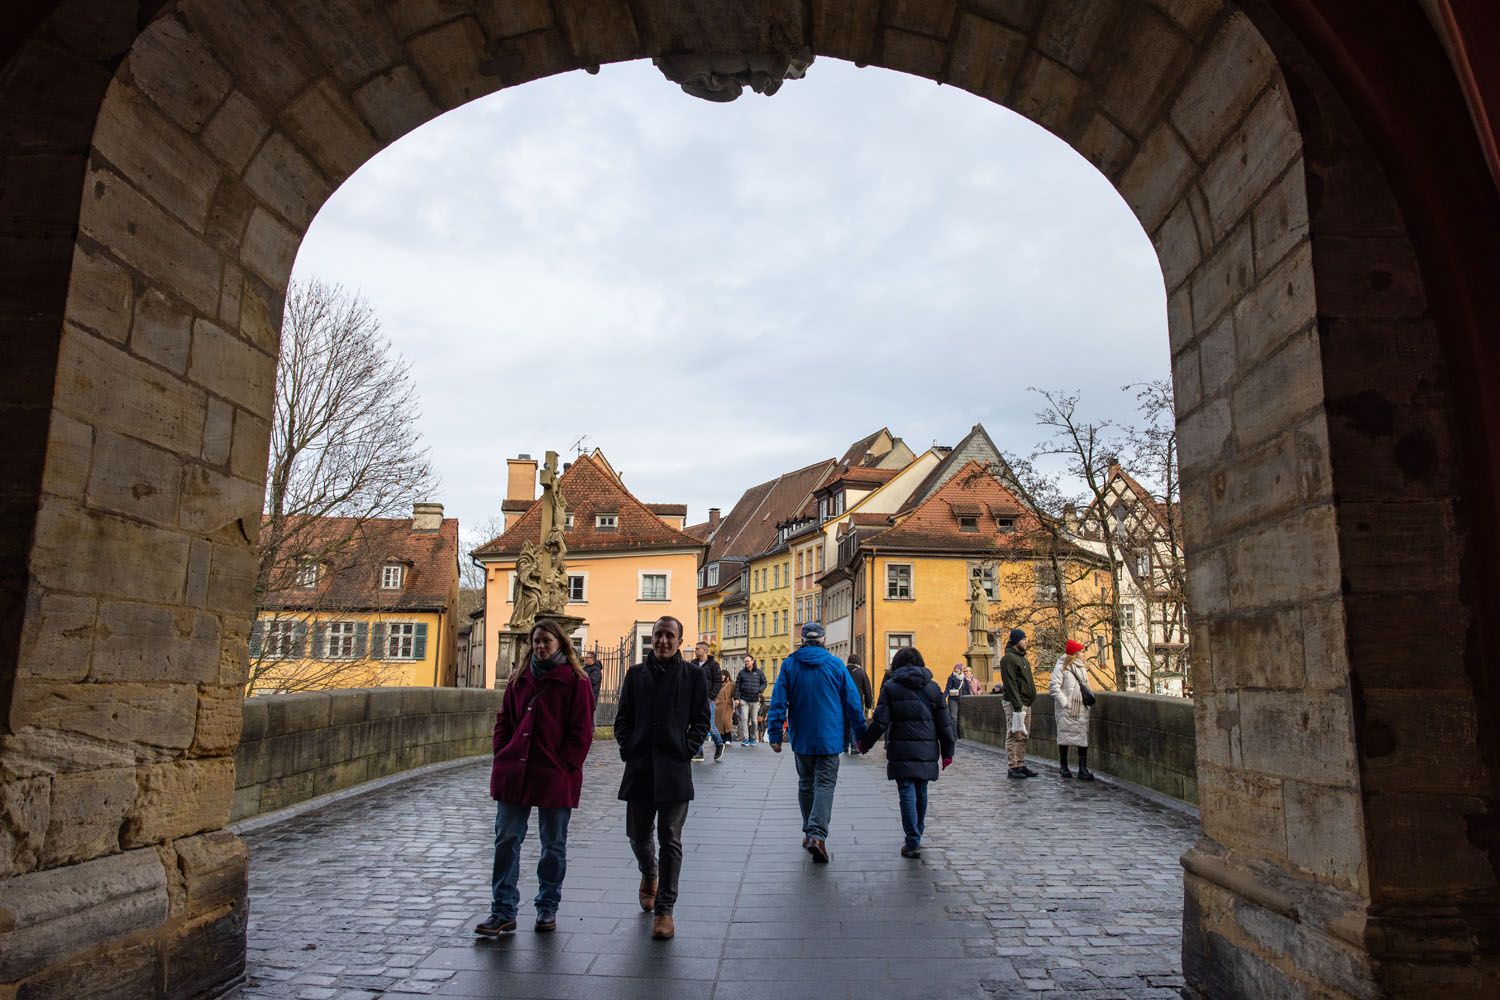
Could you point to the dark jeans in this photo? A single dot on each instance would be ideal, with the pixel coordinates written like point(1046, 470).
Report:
point(665, 819)
point(913, 795)
point(954, 713)
point(510, 834)
point(817, 776)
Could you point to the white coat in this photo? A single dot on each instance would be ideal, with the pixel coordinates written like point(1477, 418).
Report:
point(1066, 689)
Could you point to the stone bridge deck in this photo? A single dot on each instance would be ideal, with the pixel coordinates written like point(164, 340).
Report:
point(1024, 889)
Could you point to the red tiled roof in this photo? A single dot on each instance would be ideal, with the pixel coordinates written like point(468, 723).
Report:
point(700, 531)
point(353, 553)
point(589, 488)
point(668, 509)
point(751, 526)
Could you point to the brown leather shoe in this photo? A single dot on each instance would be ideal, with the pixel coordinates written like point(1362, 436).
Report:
point(647, 894)
point(662, 927)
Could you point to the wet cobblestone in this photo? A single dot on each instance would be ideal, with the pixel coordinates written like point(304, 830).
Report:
point(1032, 889)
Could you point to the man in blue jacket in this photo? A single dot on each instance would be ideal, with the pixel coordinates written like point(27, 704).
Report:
point(816, 695)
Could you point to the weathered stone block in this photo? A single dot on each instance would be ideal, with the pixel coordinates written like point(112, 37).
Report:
point(145, 715)
point(347, 707)
point(1178, 249)
point(1400, 547)
point(128, 973)
point(254, 42)
point(100, 295)
point(49, 915)
point(601, 30)
point(142, 642)
point(215, 868)
point(1231, 73)
point(1280, 305)
point(253, 713)
point(1204, 434)
point(1223, 279)
point(1280, 219)
point(149, 238)
point(845, 29)
point(286, 181)
point(269, 249)
point(178, 799)
point(1281, 476)
point(1105, 146)
point(102, 385)
point(157, 156)
point(236, 132)
point(208, 955)
point(171, 66)
point(986, 57)
point(231, 582)
point(218, 432)
point(1155, 180)
point(350, 38)
point(1279, 392)
point(1187, 379)
point(85, 815)
point(251, 445)
point(212, 501)
point(1256, 154)
point(220, 720)
point(394, 103)
point(1217, 358)
point(449, 57)
point(1325, 832)
point(325, 124)
point(129, 477)
point(1208, 582)
point(1421, 843)
point(1146, 60)
point(1242, 809)
point(25, 814)
point(1293, 560)
point(906, 52)
point(1299, 735)
point(162, 331)
point(293, 713)
point(70, 446)
point(58, 636)
point(504, 18)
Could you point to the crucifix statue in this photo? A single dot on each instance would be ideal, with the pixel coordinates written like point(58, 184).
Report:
point(541, 567)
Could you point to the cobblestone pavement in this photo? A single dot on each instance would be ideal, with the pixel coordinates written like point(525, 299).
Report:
point(1028, 889)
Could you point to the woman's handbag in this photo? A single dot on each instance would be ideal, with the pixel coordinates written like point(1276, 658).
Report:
point(1088, 696)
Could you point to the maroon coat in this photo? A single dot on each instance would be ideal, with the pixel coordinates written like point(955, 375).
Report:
point(542, 735)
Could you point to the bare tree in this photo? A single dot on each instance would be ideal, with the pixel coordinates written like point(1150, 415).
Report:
point(472, 576)
point(344, 451)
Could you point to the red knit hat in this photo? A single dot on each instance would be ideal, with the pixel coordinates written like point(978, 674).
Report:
point(1071, 647)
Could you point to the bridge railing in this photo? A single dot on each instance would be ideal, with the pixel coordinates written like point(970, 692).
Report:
point(1145, 739)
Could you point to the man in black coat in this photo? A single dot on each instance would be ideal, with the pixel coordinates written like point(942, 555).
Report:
point(749, 685)
point(710, 667)
point(866, 696)
point(919, 738)
point(663, 717)
point(595, 670)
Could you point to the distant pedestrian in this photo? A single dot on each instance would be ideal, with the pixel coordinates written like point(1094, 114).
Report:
point(957, 687)
point(723, 714)
point(1071, 702)
point(595, 672)
point(919, 739)
point(866, 697)
point(815, 697)
point(710, 667)
point(542, 736)
point(749, 684)
point(663, 716)
point(1020, 692)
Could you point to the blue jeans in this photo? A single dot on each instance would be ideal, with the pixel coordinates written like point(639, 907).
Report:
point(510, 834)
point(817, 775)
point(713, 730)
point(913, 795)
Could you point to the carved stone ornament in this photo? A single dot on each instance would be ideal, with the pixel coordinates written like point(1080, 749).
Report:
point(723, 77)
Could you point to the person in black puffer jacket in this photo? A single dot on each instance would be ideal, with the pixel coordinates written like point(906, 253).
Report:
point(918, 738)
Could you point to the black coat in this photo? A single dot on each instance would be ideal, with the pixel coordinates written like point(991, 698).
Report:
point(914, 719)
point(862, 684)
point(749, 684)
point(595, 674)
point(662, 718)
point(715, 675)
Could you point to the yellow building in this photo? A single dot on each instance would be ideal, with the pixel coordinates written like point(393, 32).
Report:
point(770, 606)
point(629, 563)
point(911, 580)
point(374, 606)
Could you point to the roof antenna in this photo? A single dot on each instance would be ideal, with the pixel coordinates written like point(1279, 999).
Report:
point(577, 446)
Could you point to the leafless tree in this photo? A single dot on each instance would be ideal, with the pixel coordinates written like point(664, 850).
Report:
point(471, 576)
point(344, 450)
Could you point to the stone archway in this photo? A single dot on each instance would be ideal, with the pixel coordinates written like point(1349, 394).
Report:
point(1321, 460)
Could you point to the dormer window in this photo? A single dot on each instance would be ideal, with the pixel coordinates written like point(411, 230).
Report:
point(568, 521)
point(606, 522)
point(968, 522)
point(1006, 523)
point(307, 573)
point(391, 576)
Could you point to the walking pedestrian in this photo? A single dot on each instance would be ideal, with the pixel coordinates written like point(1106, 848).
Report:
point(957, 687)
point(1020, 692)
point(749, 684)
point(542, 736)
point(710, 667)
point(595, 672)
point(1071, 703)
point(866, 696)
point(723, 714)
point(919, 739)
point(663, 716)
point(815, 695)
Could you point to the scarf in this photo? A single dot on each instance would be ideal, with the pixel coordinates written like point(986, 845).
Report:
point(540, 667)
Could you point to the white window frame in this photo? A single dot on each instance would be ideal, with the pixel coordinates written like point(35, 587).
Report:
point(892, 585)
point(341, 632)
point(640, 590)
point(1143, 564)
point(308, 571)
point(712, 575)
point(1127, 616)
point(409, 635)
point(607, 522)
point(583, 588)
point(385, 576)
point(893, 643)
point(568, 521)
point(277, 638)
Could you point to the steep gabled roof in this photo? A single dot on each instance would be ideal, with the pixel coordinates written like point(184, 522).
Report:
point(972, 490)
point(751, 525)
point(976, 446)
point(590, 487)
point(1143, 496)
point(353, 553)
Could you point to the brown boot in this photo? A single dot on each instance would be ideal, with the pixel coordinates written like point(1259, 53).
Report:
point(647, 894)
point(662, 927)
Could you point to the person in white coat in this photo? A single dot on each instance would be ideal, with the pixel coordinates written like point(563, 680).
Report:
point(1071, 701)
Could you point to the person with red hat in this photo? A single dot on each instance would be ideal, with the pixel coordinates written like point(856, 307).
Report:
point(1071, 701)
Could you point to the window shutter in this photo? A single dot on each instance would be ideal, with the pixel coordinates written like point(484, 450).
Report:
point(377, 643)
point(361, 637)
point(320, 641)
point(257, 638)
point(419, 641)
point(299, 640)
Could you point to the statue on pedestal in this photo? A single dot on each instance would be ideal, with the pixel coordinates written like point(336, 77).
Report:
point(979, 656)
point(541, 567)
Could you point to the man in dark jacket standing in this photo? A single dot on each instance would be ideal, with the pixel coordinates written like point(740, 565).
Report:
point(748, 686)
point(815, 693)
point(663, 717)
point(715, 676)
point(919, 736)
point(595, 671)
point(1020, 692)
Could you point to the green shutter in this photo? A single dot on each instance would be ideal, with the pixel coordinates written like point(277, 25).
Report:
point(377, 643)
point(257, 638)
point(361, 637)
point(299, 640)
point(320, 641)
point(419, 641)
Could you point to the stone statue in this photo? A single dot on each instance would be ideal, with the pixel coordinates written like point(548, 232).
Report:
point(553, 557)
point(722, 77)
point(529, 587)
point(979, 607)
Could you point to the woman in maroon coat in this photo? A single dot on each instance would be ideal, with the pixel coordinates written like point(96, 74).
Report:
point(542, 735)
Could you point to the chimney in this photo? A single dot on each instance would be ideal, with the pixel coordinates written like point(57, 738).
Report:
point(713, 518)
point(426, 516)
point(521, 478)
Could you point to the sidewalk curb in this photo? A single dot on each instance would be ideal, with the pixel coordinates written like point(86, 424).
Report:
point(1141, 791)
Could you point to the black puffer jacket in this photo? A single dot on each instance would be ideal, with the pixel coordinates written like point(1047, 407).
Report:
point(914, 718)
point(748, 684)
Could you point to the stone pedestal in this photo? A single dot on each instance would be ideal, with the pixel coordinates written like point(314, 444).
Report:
point(981, 660)
point(514, 645)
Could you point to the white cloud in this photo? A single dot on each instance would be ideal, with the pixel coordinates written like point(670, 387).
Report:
point(714, 294)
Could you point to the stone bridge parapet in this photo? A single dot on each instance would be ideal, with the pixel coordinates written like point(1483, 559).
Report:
point(296, 747)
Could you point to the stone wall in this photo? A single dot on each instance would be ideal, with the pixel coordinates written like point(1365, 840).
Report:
point(1145, 739)
point(298, 746)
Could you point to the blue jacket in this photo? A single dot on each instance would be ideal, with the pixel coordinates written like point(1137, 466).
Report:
point(816, 694)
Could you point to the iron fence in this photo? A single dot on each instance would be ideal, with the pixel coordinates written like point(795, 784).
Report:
point(613, 661)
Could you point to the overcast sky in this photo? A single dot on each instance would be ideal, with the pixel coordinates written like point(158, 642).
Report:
point(713, 294)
